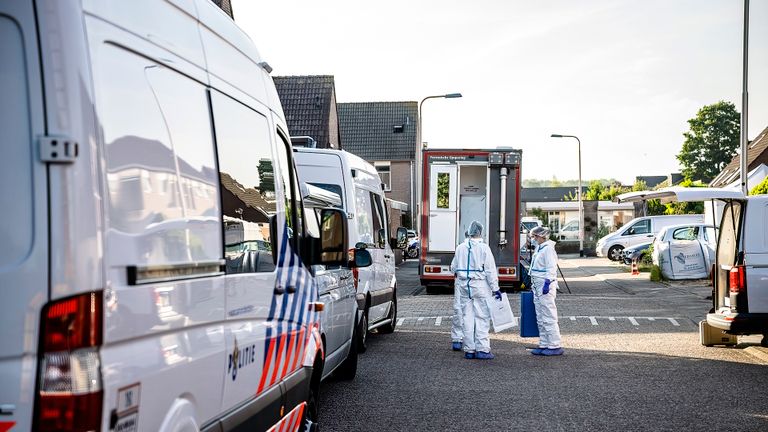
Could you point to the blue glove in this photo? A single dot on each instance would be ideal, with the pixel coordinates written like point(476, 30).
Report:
point(546, 286)
point(497, 294)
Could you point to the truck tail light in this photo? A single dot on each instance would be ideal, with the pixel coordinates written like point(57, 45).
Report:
point(69, 396)
point(511, 271)
point(433, 269)
point(737, 277)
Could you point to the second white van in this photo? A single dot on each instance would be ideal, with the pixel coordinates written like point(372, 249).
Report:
point(362, 198)
point(639, 230)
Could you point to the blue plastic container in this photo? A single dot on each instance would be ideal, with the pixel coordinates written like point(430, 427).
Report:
point(528, 327)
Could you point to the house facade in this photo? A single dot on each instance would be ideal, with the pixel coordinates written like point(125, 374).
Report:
point(309, 104)
point(384, 134)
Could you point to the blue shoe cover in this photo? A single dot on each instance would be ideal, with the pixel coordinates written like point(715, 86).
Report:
point(469, 355)
point(484, 355)
point(552, 352)
point(537, 351)
point(456, 346)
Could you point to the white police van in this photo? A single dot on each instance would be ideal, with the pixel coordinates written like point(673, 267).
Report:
point(358, 184)
point(153, 264)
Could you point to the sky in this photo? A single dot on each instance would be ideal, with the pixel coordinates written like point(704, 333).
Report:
point(623, 76)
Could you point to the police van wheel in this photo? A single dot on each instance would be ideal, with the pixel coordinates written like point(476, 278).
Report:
point(390, 328)
point(348, 368)
point(764, 342)
point(362, 333)
point(313, 399)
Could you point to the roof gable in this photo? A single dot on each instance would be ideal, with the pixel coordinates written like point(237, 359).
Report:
point(757, 153)
point(308, 102)
point(379, 131)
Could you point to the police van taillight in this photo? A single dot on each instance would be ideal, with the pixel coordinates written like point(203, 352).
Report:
point(737, 277)
point(69, 396)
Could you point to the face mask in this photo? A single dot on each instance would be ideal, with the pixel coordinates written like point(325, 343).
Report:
point(534, 243)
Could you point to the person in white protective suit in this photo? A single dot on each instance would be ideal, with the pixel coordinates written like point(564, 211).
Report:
point(457, 327)
point(544, 280)
point(476, 280)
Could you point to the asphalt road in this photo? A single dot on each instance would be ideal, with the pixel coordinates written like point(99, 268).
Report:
point(633, 362)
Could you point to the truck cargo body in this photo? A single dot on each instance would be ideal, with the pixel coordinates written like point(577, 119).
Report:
point(465, 185)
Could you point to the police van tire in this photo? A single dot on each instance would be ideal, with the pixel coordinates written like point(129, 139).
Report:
point(348, 368)
point(614, 253)
point(764, 341)
point(313, 398)
point(390, 328)
point(362, 332)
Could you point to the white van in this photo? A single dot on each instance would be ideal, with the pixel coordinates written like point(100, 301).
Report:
point(639, 230)
point(740, 279)
point(359, 185)
point(153, 271)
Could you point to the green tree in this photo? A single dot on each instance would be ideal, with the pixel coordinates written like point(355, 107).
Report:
point(760, 189)
point(711, 141)
point(676, 208)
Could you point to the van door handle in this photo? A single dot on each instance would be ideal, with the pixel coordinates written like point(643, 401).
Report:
point(290, 289)
point(279, 290)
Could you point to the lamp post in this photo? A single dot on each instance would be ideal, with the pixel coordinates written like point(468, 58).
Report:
point(578, 193)
point(418, 158)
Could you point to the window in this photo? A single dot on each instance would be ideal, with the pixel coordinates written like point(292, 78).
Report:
point(363, 215)
point(687, 233)
point(157, 130)
point(333, 188)
point(554, 221)
point(290, 186)
point(379, 220)
point(443, 190)
point(641, 227)
point(384, 170)
point(246, 175)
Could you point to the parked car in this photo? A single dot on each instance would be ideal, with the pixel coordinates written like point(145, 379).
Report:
point(570, 231)
point(527, 223)
point(639, 230)
point(685, 251)
point(358, 184)
point(412, 235)
point(154, 273)
point(740, 290)
point(635, 253)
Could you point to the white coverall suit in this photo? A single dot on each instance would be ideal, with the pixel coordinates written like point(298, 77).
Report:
point(543, 267)
point(476, 280)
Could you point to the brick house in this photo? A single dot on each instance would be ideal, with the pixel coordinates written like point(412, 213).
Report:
point(309, 104)
point(384, 134)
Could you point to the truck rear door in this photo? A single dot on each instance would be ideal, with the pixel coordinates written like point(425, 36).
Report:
point(24, 227)
point(442, 208)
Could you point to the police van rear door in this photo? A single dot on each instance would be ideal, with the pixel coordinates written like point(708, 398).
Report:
point(24, 210)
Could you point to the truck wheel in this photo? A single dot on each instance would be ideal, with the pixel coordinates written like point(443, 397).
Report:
point(362, 333)
point(390, 328)
point(348, 368)
point(614, 253)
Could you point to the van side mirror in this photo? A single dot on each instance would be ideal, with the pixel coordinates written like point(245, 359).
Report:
point(402, 238)
point(331, 249)
point(361, 258)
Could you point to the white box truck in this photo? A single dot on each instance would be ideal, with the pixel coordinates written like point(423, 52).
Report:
point(465, 185)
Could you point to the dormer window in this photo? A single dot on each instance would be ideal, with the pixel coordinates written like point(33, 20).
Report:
point(398, 128)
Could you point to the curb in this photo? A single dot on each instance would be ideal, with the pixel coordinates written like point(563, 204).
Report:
point(759, 353)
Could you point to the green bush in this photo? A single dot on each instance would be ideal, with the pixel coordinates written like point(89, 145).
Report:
point(656, 274)
point(760, 189)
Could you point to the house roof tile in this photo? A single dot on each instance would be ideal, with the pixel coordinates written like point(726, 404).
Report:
point(307, 102)
point(379, 131)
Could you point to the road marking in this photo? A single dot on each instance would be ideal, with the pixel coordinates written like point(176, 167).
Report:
point(573, 318)
point(420, 319)
point(400, 322)
point(592, 320)
point(438, 321)
point(674, 322)
point(611, 318)
point(633, 321)
point(650, 319)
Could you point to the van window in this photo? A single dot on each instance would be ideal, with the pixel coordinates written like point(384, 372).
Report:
point(290, 186)
point(333, 188)
point(639, 227)
point(364, 216)
point(379, 224)
point(247, 177)
point(443, 190)
point(158, 149)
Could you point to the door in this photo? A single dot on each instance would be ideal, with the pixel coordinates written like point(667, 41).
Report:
point(638, 233)
point(384, 260)
point(442, 208)
point(24, 228)
point(471, 208)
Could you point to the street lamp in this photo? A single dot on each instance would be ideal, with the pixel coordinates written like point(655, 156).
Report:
point(578, 193)
point(418, 158)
